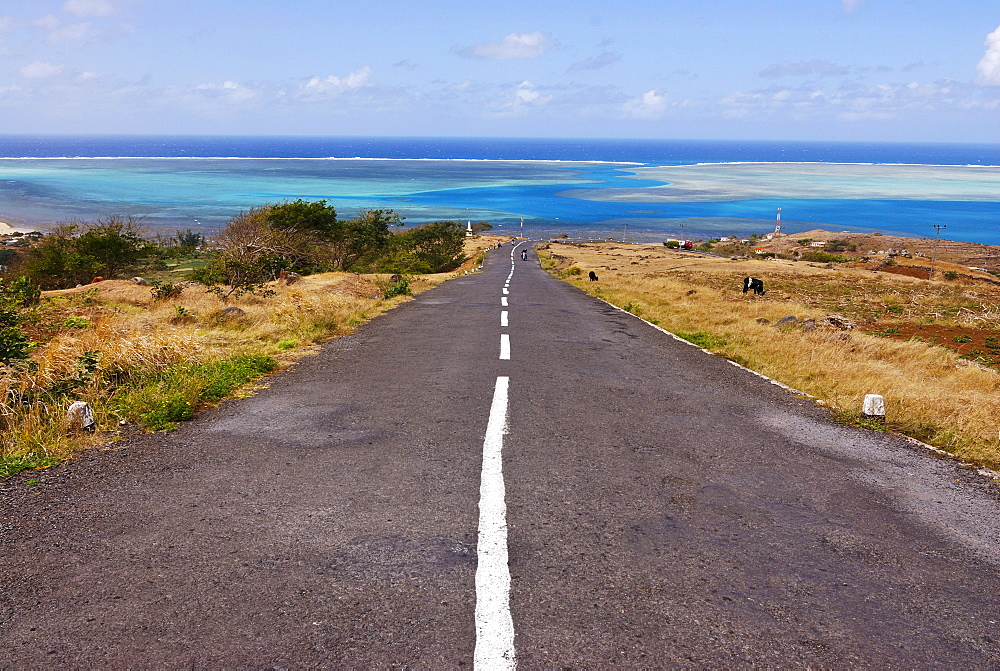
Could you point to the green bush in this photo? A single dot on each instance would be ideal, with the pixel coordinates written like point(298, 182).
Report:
point(165, 290)
point(399, 287)
point(437, 247)
point(817, 256)
point(14, 343)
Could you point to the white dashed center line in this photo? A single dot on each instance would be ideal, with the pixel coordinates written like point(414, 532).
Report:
point(504, 346)
point(503, 318)
point(494, 623)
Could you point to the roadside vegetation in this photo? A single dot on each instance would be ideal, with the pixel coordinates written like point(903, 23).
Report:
point(931, 348)
point(170, 326)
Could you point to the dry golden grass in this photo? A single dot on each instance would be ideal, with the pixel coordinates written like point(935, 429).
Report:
point(931, 393)
point(135, 336)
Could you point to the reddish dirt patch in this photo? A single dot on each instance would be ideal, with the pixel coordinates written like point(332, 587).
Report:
point(909, 271)
point(979, 345)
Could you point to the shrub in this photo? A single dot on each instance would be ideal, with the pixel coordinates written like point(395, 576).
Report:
point(818, 256)
point(165, 290)
point(432, 248)
point(398, 287)
point(76, 322)
point(14, 343)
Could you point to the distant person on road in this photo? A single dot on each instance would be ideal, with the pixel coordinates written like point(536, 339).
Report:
point(524, 254)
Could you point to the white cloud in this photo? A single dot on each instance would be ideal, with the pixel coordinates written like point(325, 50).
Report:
point(229, 90)
point(850, 5)
point(88, 7)
point(40, 70)
point(597, 62)
point(528, 94)
point(58, 33)
point(805, 69)
point(70, 33)
point(512, 47)
point(650, 105)
point(988, 69)
point(526, 97)
point(332, 86)
point(48, 22)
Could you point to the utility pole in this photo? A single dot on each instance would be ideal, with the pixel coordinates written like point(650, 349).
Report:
point(937, 235)
point(624, 232)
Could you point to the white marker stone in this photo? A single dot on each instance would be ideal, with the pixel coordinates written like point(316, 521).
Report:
point(874, 406)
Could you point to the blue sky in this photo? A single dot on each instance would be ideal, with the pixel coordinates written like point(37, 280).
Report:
point(897, 70)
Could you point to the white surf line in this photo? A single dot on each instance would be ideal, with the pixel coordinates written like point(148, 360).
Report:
point(503, 318)
point(504, 347)
point(494, 623)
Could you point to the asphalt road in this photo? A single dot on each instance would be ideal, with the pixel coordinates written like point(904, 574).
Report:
point(662, 507)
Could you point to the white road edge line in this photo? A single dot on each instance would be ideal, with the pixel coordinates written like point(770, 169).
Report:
point(494, 623)
point(798, 392)
point(504, 346)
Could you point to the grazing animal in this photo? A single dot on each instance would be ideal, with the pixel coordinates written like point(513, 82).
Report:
point(593, 276)
point(753, 284)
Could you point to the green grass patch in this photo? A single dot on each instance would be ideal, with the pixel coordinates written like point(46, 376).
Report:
point(702, 339)
point(161, 401)
point(14, 464)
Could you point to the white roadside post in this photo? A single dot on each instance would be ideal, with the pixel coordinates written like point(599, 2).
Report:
point(874, 407)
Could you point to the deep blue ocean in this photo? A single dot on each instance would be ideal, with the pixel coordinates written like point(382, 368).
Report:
point(554, 185)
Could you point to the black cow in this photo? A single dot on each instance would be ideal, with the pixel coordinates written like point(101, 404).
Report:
point(593, 276)
point(753, 284)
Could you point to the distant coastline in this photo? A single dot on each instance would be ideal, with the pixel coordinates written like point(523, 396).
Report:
point(581, 188)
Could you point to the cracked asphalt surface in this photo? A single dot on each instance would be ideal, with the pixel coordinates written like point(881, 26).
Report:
point(664, 508)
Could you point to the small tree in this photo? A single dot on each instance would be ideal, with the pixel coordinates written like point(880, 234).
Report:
point(113, 245)
point(189, 240)
point(76, 253)
point(55, 263)
point(432, 248)
point(14, 344)
point(364, 237)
